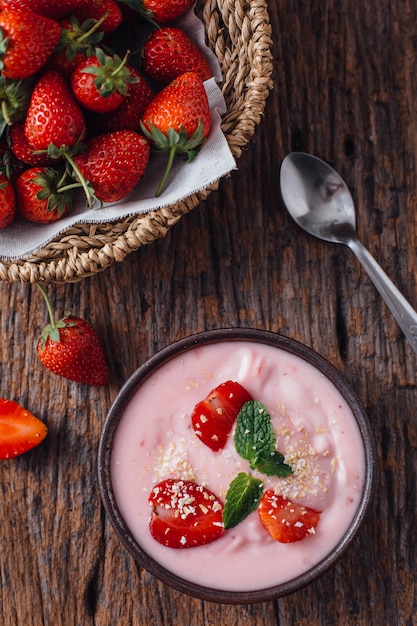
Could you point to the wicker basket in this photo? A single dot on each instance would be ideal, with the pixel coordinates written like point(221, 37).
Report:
point(239, 33)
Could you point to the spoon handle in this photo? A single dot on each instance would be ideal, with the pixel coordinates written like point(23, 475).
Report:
point(403, 312)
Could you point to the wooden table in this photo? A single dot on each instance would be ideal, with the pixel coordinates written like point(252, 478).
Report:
point(345, 90)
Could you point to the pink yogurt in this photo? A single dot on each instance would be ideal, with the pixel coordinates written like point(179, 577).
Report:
point(315, 430)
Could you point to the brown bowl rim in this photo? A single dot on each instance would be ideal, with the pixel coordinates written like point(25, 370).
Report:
point(142, 373)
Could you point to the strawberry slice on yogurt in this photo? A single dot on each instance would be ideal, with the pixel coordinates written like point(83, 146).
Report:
point(184, 514)
point(213, 417)
point(286, 521)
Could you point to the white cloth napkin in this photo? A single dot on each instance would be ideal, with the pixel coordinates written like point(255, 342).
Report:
point(22, 238)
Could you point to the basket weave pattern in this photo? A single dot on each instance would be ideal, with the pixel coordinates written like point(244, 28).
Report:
point(239, 34)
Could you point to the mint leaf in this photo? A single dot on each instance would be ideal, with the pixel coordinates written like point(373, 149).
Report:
point(242, 498)
point(254, 435)
point(274, 465)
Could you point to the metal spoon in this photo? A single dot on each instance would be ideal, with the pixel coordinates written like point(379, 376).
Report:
point(320, 202)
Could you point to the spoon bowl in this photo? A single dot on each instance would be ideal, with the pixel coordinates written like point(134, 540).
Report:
point(319, 201)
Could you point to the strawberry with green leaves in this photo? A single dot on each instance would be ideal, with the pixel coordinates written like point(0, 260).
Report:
point(178, 120)
point(169, 52)
point(71, 348)
point(7, 201)
point(26, 42)
point(214, 417)
point(42, 195)
point(20, 430)
point(101, 82)
point(286, 521)
point(55, 122)
point(184, 514)
point(129, 114)
point(113, 163)
point(77, 41)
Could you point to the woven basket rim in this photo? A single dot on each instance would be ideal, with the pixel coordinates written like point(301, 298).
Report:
point(239, 33)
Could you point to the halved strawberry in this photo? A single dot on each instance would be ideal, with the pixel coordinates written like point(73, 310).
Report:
point(213, 417)
point(184, 514)
point(284, 520)
point(19, 430)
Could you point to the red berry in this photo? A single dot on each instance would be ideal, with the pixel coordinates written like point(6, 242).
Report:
point(20, 431)
point(286, 521)
point(213, 418)
point(184, 514)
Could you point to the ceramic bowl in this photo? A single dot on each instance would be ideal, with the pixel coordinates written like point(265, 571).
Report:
point(131, 537)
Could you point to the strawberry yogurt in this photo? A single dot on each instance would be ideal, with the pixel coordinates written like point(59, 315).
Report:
point(315, 429)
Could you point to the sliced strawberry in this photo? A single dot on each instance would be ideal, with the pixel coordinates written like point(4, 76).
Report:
point(19, 430)
point(213, 417)
point(184, 514)
point(284, 520)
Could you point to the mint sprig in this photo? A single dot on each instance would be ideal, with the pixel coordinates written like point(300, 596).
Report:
point(254, 441)
point(242, 498)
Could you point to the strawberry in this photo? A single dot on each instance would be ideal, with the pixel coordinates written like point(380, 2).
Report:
point(286, 521)
point(101, 82)
point(169, 52)
point(213, 417)
point(53, 117)
point(160, 11)
point(22, 149)
point(77, 42)
point(38, 195)
point(26, 41)
point(55, 9)
point(113, 163)
point(129, 114)
point(96, 9)
point(184, 514)
point(178, 119)
point(71, 348)
point(7, 201)
point(20, 431)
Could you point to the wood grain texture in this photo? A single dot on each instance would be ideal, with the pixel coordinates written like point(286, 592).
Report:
point(345, 90)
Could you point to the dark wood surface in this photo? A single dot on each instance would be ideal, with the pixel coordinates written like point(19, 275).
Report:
point(345, 90)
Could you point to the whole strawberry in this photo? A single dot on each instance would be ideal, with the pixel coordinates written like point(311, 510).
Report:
point(71, 348)
point(39, 197)
point(169, 52)
point(178, 119)
point(7, 201)
point(101, 82)
point(26, 42)
point(113, 163)
point(53, 116)
point(77, 41)
point(128, 115)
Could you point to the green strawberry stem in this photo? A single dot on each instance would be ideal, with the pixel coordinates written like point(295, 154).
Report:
point(87, 190)
point(174, 142)
point(5, 113)
point(171, 155)
point(93, 29)
point(48, 305)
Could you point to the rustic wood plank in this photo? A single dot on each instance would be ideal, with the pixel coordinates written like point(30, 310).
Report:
point(345, 90)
